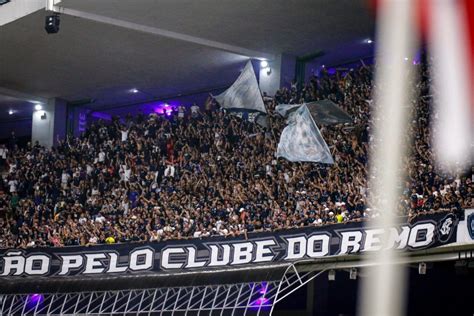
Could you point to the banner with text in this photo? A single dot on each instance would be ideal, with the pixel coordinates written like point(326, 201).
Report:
point(425, 231)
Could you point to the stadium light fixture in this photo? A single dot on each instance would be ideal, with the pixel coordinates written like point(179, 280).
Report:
point(353, 274)
point(38, 107)
point(422, 268)
point(332, 275)
point(265, 66)
point(368, 41)
point(10, 112)
point(134, 90)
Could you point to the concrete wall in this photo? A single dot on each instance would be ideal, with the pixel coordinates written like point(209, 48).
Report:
point(288, 68)
point(42, 130)
point(16, 9)
point(281, 75)
point(270, 81)
point(49, 123)
point(20, 127)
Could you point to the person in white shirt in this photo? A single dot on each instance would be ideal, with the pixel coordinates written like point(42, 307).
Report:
point(101, 156)
point(93, 240)
point(181, 110)
point(194, 110)
point(124, 134)
point(3, 155)
point(100, 218)
point(13, 183)
point(127, 172)
point(64, 179)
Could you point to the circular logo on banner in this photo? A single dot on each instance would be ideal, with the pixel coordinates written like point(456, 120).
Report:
point(446, 226)
point(470, 225)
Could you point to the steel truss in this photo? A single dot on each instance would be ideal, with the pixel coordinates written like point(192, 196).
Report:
point(227, 299)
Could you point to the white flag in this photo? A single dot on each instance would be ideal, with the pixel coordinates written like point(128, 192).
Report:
point(244, 93)
point(285, 109)
point(302, 141)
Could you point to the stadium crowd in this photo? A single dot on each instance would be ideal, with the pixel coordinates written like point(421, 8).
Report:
point(204, 172)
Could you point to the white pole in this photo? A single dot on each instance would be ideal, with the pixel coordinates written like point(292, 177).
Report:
point(453, 128)
point(384, 288)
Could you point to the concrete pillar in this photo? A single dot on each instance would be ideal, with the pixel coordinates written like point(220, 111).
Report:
point(49, 123)
point(270, 77)
point(282, 72)
point(287, 70)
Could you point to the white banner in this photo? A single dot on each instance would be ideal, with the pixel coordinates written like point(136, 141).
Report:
point(244, 93)
point(465, 233)
point(302, 141)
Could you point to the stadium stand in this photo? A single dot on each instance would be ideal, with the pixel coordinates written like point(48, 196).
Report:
point(205, 173)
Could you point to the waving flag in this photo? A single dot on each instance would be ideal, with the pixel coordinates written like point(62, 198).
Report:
point(285, 109)
point(301, 139)
point(324, 112)
point(244, 94)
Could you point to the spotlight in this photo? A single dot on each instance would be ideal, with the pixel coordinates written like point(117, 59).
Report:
point(134, 90)
point(369, 41)
point(406, 58)
point(10, 112)
point(353, 274)
point(264, 64)
point(332, 275)
point(38, 107)
point(2, 2)
point(422, 268)
point(52, 24)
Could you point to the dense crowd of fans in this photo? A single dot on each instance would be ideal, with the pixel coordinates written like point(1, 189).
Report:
point(204, 172)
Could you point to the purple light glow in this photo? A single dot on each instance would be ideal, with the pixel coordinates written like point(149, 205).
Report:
point(163, 108)
point(34, 299)
point(264, 288)
point(102, 116)
point(159, 110)
point(332, 71)
point(261, 303)
point(417, 58)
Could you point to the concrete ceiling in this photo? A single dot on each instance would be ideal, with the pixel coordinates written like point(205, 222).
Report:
point(90, 60)
point(274, 26)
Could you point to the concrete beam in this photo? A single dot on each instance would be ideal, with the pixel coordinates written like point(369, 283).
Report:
point(22, 96)
point(162, 32)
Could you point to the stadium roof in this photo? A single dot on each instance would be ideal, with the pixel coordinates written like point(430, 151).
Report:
point(91, 60)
